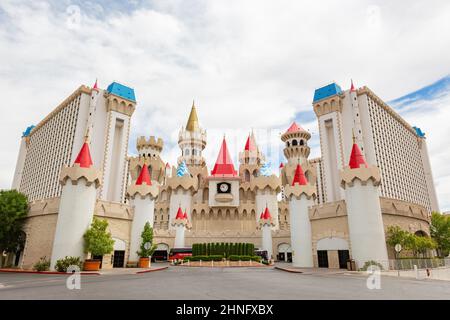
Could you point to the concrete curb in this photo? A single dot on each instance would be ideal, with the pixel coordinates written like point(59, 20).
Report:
point(48, 272)
point(185, 265)
point(288, 270)
point(152, 270)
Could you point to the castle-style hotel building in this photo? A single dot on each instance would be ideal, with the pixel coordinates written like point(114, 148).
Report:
point(374, 171)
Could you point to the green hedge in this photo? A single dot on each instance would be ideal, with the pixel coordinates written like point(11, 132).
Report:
point(224, 249)
point(204, 258)
point(244, 258)
point(220, 258)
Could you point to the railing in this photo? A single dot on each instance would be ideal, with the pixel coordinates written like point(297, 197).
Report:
point(420, 263)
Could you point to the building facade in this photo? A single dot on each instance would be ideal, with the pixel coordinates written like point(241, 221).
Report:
point(191, 203)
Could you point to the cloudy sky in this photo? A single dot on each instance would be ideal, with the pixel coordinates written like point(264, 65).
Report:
point(247, 64)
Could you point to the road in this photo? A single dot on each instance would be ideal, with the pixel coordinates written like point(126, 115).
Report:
point(219, 283)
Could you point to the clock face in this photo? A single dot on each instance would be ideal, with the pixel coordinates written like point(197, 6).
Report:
point(224, 187)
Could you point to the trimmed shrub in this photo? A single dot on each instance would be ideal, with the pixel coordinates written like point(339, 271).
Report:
point(204, 258)
point(42, 265)
point(224, 249)
point(371, 263)
point(62, 264)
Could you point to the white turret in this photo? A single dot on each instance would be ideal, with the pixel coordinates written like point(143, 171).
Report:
point(76, 208)
point(180, 223)
point(265, 224)
point(142, 195)
point(365, 223)
point(266, 190)
point(192, 141)
point(301, 196)
point(182, 187)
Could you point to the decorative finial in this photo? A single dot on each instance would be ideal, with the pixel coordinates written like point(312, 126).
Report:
point(353, 136)
point(193, 103)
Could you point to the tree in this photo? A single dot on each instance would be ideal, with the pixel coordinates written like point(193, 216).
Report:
point(396, 235)
point(97, 240)
point(440, 232)
point(423, 244)
point(147, 237)
point(13, 210)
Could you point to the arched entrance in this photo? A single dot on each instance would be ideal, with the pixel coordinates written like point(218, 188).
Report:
point(284, 252)
point(118, 257)
point(332, 252)
point(161, 253)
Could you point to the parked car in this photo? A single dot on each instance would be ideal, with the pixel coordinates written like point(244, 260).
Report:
point(179, 253)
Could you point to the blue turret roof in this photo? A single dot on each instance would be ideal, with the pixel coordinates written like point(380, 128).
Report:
point(327, 91)
point(419, 132)
point(121, 91)
point(27, 131)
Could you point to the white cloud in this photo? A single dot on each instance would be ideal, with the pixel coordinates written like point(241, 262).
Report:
point(246, 63)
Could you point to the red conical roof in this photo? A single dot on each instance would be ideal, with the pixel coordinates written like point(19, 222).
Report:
point(294, 128)
point(267, 214)
point(250, 144)
point(185, 216)
point(84, 157)
point(144, 177)
point(262, 215)
point(299, 176)
point(180, 214)
point(281, 165)
point(95, 85)
point(356, 158)
point(352, 87)
point(167, 165)
point(224, 165)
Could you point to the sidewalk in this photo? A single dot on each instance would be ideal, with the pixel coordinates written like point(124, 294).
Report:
point(435, 274)
point(314, 271)
point(106, 272)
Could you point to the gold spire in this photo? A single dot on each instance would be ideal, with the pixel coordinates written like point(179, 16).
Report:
point(192, 124)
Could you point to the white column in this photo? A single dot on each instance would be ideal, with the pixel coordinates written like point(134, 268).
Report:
point(267, 240)
point(301, 238)
point(365, 223)
point(179, 198)
point(76, 210)
point(269, 198)
point(143, 213)
point(179, 236)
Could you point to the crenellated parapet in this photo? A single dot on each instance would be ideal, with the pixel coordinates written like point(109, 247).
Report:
point(185, 182)
point(288, 172)
point(363, 174)
point(155, 165)
point(272, 182)
point(151, 142)
point(143, 190)
point(266, 222)
point(76, 173)
point(182, 222)
point(297, 191)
